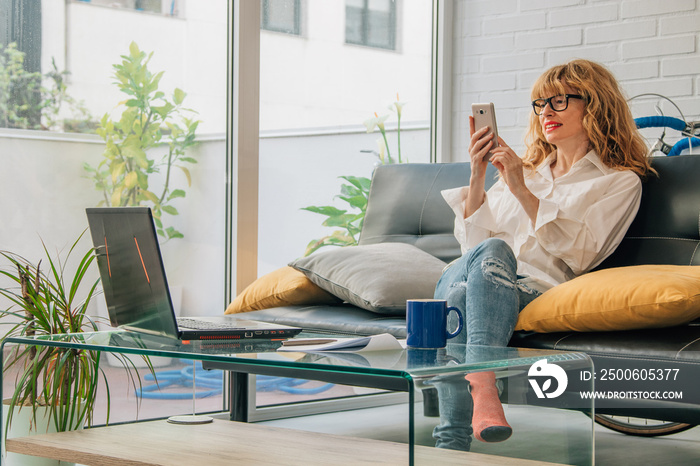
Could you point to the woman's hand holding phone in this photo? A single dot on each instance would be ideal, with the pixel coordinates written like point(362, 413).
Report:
point(484, 116)
point(480, 144)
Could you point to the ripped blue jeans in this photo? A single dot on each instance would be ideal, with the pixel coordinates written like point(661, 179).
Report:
point(484, 285)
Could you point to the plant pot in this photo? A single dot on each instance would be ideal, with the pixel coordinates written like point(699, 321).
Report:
point(22, 427)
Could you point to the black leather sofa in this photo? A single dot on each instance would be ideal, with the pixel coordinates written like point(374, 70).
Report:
point(405, 205)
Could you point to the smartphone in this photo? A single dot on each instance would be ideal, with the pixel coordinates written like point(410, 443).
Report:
point(485, 115)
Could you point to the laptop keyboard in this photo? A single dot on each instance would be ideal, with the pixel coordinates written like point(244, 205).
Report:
point(197, 324)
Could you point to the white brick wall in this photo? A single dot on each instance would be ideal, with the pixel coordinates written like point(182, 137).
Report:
point(501, 47)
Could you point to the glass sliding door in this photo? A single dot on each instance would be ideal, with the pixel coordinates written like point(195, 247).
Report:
point(96, 97)
point(350, 64)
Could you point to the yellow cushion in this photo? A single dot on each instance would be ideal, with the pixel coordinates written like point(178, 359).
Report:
point(624, 298)
point(283, 287)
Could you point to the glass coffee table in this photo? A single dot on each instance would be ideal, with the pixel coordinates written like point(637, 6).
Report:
point(539, 379)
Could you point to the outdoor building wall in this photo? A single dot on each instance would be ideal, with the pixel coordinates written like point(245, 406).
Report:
point(500, 48)
point(317, 80)
point(332, 83)
point(44, 195)
point(88, 39)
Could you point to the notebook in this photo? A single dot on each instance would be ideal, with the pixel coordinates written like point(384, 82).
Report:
point(136, 288)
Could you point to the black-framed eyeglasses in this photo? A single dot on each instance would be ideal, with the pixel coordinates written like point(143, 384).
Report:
point(558, 103)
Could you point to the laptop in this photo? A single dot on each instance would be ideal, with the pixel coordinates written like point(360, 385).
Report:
point(136, 288)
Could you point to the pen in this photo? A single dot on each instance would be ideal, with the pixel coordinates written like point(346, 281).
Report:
point(308, 341)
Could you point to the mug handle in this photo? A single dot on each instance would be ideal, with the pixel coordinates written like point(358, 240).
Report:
point(460, 324)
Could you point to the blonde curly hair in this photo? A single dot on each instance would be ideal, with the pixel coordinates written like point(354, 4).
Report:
point(607, 118)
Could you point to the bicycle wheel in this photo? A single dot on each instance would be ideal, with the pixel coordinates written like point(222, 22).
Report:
point(641, 427)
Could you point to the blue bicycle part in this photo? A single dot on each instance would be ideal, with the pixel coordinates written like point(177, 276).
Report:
point(684, 144)
point(674, 123)
point(660, 122)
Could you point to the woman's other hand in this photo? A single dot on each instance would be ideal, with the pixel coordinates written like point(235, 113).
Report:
point(510, 166)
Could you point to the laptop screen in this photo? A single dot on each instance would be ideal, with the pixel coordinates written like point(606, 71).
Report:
point(132, 272)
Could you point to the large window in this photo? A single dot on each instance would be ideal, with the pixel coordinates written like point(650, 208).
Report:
point(44, 186)
point(281, 16)
point(371, 23)
point(315, 95)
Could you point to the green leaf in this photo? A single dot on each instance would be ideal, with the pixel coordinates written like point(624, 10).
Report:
point(130, 180)
point(116, 199)
point(134, 49)
point(163, 110)
point(325, 210)
point(150, 196)
point(187, 174)
point(177, 193)
point(361, 183)
point(170, 209)
point(359, 202)
point(117, 170)
point(142, 180)
point(173, 233)
point(179, 96)
point(349, 191)
point(339, 220)
point(337, 238)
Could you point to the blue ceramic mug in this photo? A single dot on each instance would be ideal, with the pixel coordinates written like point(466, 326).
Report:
point(426, 323)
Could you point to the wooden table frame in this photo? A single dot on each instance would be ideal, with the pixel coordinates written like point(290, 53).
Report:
point(223, 443)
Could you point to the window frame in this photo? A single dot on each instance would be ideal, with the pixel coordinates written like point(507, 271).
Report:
point(364, 41)
point(243, 166)
point(264, 19)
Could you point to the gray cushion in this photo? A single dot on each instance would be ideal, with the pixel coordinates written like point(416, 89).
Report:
point(376, 277)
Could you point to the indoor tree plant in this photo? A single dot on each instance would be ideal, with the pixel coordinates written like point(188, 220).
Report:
point(150, 119)
point(356, 193)
point(39, 301)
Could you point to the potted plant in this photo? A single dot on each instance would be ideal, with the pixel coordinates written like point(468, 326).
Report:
point(357, 192)
point(149, 120)
point(57, 387)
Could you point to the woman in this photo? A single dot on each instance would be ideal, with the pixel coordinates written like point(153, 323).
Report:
point(551, 216)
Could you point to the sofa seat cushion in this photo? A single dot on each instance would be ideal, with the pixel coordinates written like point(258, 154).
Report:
point(673, 352)
point(623, 298)
point(282, 287)
point(680, 343)
point(377, 277)
point(342, 318)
